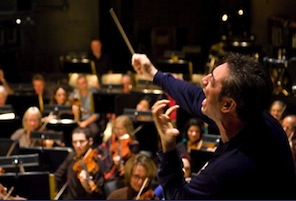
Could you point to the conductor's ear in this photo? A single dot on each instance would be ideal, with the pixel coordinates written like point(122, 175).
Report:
point(229, 104)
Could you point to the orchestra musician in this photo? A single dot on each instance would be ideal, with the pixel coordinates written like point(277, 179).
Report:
point(116, 151)
point(61, 97)
point(80, 176)
point(140, 171)
point(87, 117)
point(31, 122)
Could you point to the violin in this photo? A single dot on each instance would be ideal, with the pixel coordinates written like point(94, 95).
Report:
point(148, 195)
point(89, 164)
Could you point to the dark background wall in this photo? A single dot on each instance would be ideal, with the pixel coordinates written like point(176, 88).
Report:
point(51, 28)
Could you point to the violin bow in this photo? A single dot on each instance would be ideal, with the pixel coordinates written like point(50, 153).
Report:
point(8, 193)
point(142, 188)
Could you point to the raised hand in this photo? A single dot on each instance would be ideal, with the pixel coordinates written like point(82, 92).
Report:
point(164, 125)
point(143, 66)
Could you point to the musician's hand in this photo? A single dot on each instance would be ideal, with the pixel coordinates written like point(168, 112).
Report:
point(143, 66)
point(84, 180)
point(83, 124)
point(164, 125)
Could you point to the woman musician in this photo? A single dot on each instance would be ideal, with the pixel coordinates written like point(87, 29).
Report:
point(140, 170)
point(31, 122)
point(116, 151)
point(80, 176)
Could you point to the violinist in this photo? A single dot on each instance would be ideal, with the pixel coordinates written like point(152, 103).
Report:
point(31, 122)
point(116, 151)
point(61, 97)
point(140, 171)
point(80, 174)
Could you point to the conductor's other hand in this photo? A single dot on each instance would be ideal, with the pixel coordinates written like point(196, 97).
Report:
point(143, 66)
point(166, 131)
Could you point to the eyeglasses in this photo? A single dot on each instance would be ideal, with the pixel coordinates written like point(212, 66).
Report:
point(138, 177)
point(32, 120)
point(79, 141)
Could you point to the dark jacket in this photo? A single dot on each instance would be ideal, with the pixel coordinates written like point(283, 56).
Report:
point(255, 164)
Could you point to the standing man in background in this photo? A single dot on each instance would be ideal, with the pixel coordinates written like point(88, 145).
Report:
point(102, 61)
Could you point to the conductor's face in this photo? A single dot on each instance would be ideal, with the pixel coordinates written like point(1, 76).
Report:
point(211, 105)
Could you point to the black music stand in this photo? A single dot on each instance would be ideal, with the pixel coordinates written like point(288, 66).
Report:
point(21, 102)
point(30, 185)
point(9, 145)
point(47, 135)
point(104, 102)
point(77, 64)
point(57, 109)
point(179, 66)
point(112, 88)
point(49, 158)
point(16, 161)
point(136, 115)
point(6, 109)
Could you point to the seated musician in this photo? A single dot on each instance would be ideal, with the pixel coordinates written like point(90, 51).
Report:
point(116, 151)
point(80, 172)
point(144, 105)
point(31, 122)
point(87, 117)
point(140, 171)
point(192, 137)
point(60, 98)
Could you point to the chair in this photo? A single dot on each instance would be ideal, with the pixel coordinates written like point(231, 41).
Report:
point(92, 80)
point(111, 79)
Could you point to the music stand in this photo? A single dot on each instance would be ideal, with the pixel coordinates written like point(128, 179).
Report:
point(47, 135)
point(9, 145)
point(16, 161)
point(136, 115)
point(6, 109)
point(57, 108)
point(30, 185)
point(104, 102)
point(77, 64)
point(109, 88)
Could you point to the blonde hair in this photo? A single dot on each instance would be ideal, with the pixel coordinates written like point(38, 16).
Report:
point(31, 110)
point(127, 123)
